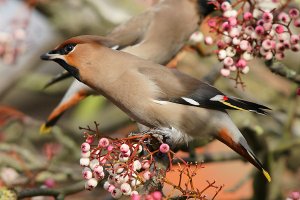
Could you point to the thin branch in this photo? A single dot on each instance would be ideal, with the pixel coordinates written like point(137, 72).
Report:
point(57, 194)
point(282, 70)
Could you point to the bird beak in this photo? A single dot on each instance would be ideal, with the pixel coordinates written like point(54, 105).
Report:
point(46, 56)
point(52, 55)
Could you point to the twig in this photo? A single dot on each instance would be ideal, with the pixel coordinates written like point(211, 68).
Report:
point(57, 194)
point(282, 70)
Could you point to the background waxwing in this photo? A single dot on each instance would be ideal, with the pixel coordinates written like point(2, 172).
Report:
point(157, 35)
point(178, 106)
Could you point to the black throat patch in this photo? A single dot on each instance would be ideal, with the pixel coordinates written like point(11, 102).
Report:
point(73, 70)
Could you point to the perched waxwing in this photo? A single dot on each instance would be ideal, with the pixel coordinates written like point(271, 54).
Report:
point(177, 105)
point(157, 35)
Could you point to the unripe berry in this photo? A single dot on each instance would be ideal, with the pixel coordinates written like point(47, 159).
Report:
point(94, 163)
point(85, 154)
point(230, 51)
point(140, 148)
point(116, 193)
point(222, 54)
point(91, 184)
point(84, 161)
point(123, 158)
point(245, 70)
point(125, 188)
point(135, 182)
point(137, 165)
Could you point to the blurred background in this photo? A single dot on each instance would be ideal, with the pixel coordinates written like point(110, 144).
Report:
point(28, 159)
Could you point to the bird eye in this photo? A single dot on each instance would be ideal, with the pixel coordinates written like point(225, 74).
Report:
point(68, 48)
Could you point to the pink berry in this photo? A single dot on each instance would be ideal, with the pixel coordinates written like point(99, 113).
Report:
point(212, 22)
point(295, 47)
point(241, 63)
point(226, 26)
point(89, 139)
point(267, 17)
point(279, 55)
point(267, 44)
point(228, 61)
point(225, 72)
point(87, 175)
point(232, 21)
point(135, 197)
point(225, 6)
point(164, 148)
point(294, 39)
point(234, 32)
point(147, 175)
point(259, 30)
point(294, 13)
point(284, 17)
point(111, 188)
point(244, 44)
point(103, 142)
point(208, 40)
point(49, 183)
point(248, 16)
point(279, 29)
point(297, 22)
point(125, 188)
point(110, 148)
point(157, 195)
point(124, 148)
point(85, 147)
point(269, 55)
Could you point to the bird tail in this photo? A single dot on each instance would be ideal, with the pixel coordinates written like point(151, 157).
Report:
point(67, 102)
point(242, 148)
point(247, 105)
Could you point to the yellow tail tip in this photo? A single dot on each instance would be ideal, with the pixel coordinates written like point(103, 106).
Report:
point(267, 175)
point(45, 129)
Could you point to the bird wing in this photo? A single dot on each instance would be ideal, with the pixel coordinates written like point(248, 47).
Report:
point(180, 88)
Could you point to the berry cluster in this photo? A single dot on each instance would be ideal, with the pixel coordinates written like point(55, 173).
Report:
point(252, 32)
point(126, 164)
